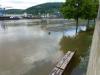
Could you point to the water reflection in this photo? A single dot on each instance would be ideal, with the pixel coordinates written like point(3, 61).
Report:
point(81, 43)
point(29, 48)
point(72, 66)
point(2, 25)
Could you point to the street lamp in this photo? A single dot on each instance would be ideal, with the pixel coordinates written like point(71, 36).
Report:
point(77, 16)
point(77, 4)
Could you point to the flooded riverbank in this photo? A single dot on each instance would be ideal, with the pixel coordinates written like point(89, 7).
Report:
point(28, 47)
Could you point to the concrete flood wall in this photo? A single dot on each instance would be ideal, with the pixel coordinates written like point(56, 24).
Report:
point(94, 61)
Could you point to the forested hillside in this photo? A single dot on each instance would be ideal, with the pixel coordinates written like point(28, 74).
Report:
point(38, 9)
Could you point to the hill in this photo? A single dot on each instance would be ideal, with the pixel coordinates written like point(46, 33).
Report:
point(44, 8)
point(14, 11)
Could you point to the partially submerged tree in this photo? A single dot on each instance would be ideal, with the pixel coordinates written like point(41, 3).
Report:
point(85, 9)
point(95, 8)
point(89, 10)
point(72, 9)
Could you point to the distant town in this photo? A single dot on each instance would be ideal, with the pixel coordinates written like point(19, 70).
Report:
point(52, 10)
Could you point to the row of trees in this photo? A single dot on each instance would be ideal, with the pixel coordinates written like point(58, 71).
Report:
point(84, 9)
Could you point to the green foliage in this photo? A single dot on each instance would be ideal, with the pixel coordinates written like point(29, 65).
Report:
point(35, 10)
point(72, 9)
point(44, 8)
point(86, 9)
point(14, 11)
point(90, 9)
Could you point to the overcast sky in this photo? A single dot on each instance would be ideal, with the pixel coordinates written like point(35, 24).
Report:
point(23, 4)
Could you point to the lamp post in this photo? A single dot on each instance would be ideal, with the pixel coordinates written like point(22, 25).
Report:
point(77, 16)
point(4, 11)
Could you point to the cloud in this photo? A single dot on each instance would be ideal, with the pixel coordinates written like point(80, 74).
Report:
point(23, 4)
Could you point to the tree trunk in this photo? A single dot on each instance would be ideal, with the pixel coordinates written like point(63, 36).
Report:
point(77, 24)
point(87, 26)
point(94, 21)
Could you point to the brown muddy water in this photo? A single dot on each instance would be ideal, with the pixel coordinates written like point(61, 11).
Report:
point(29, 47)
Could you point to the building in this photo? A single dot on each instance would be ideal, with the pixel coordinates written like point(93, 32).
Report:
point(2, 11)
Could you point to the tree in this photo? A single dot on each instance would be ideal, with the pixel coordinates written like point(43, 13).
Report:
point(85, 9)
point(72, 9)
point(89, 10)
point(95, 8)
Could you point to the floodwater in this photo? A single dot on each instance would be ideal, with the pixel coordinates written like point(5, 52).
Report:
point(29, 47)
